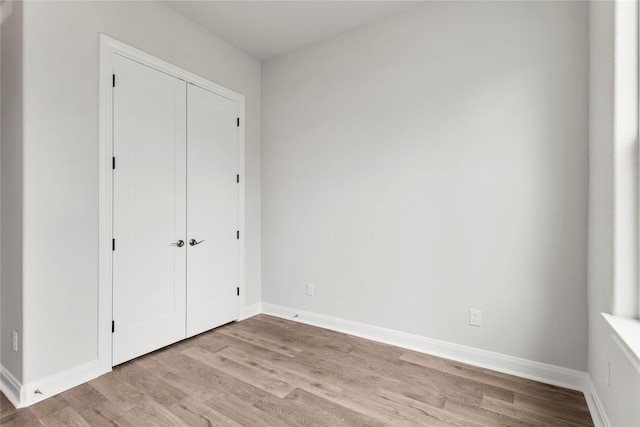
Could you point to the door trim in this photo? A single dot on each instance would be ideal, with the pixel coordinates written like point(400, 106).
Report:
point(108, 48)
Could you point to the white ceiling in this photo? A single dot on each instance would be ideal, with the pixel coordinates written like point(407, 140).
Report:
point(266, 29)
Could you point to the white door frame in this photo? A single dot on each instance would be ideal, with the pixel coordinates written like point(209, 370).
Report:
point(108, 48)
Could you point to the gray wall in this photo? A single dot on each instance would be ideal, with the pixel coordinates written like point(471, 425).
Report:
point(11, 189)
point(61, 47)
point(433, 162)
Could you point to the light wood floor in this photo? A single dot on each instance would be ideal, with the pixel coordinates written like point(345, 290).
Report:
point(266, 371)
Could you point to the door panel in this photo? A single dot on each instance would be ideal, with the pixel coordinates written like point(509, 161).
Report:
point(212, 210)
point(149, 182)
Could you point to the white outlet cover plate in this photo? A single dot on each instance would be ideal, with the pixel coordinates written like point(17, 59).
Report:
point(475, 317)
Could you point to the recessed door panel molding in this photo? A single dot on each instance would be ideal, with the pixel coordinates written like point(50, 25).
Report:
point(212, 210)
point(149, 209)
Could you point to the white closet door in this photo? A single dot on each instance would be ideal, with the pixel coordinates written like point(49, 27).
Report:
point(149, 202)
point(212, 210)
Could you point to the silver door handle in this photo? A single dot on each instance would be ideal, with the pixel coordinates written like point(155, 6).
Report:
point(179, 243)
point(194, 242)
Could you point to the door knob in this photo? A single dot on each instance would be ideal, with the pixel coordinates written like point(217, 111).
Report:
point(179, 243)
point(194, 242)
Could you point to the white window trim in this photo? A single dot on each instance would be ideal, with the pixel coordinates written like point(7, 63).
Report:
point(625, 320)
point(627, 336)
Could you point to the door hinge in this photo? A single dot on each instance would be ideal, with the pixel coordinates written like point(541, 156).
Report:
point(113, 163)
point(238, 234)
point(238, 178)
point(238, 291)
point(113, 81)
point(113, 326)
point(113, 244)
point(238, 121)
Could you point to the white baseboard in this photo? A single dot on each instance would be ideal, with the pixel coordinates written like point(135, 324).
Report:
point(250, 311)
point(25, 395)
point(542, 372)
point(596, 408)
point(11, 387)
point(54, 384)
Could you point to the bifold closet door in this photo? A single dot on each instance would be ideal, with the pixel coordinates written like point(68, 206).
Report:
point(212, 210)
point(149, 210)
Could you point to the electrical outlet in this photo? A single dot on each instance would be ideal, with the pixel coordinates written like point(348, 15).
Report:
point(606, 372)
point(15, 341)
point(310, 289)
point(475, 317)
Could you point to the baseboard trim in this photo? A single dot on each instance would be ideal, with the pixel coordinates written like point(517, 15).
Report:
point(596, 408)
point(55, 384)
point(537, 371)
point(11, 387)
point(250, 311)
point(24, 395)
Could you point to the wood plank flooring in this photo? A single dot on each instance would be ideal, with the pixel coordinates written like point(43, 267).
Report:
point(266, 371)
